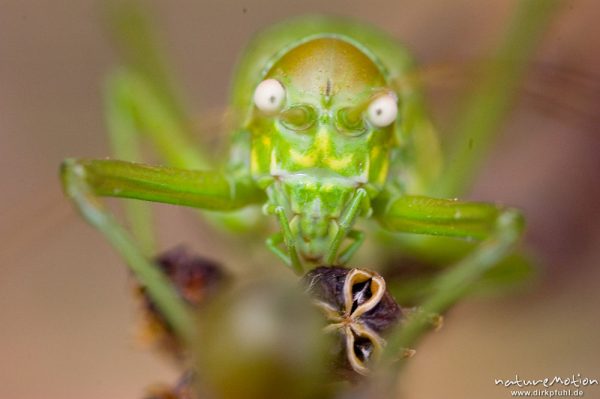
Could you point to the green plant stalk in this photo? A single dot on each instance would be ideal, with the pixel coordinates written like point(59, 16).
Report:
point(159, 288)
point(490, 101)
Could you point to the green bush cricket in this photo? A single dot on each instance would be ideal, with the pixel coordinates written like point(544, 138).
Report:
point(329, 129)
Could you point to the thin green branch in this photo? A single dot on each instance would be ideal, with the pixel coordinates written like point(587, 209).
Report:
point(490, 102)
point(174, 309)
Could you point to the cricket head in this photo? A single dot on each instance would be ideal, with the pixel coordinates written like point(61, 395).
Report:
point(324, 105)
point(321, 129)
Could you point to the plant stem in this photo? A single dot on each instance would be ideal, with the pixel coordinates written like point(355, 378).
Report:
point(490, 101)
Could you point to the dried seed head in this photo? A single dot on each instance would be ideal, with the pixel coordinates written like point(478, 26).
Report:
point(358, 307)
point(195, 279)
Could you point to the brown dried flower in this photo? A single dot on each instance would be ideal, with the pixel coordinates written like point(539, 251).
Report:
point(358, 307)
point(195, 279)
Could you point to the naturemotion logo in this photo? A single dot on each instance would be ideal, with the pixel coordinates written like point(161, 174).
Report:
point(542, 385)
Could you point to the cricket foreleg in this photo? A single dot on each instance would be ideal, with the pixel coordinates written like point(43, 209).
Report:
point(357, 237)
point(345, 226)
point(285, 237)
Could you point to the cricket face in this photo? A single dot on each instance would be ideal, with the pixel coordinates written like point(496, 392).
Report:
point(324, 109)
point(322, 128)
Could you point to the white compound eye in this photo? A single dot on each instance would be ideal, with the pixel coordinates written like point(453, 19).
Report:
point(269, 95)
point(383, 110)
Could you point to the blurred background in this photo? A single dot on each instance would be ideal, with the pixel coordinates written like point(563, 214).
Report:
point(67, 316)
